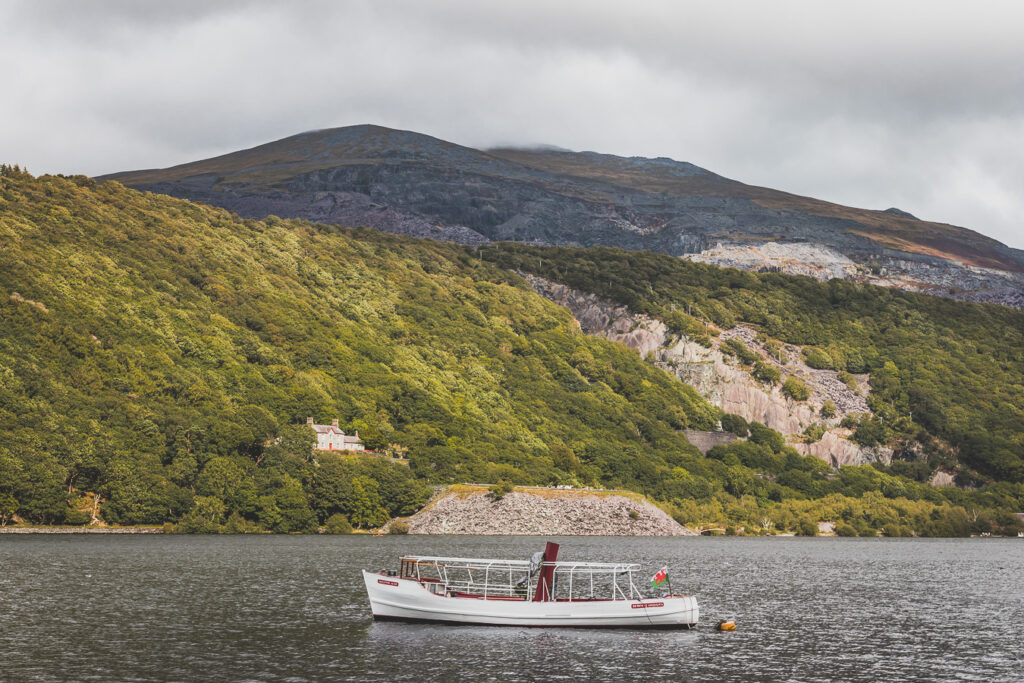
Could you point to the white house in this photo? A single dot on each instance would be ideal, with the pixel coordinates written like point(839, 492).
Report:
point(332, 438)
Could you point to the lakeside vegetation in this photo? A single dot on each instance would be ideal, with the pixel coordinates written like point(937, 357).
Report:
point(164, 356)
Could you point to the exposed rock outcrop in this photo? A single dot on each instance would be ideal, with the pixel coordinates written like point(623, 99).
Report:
point(814, 260)
point(726, 383)
point(547, 512)
point(705, 441)
point(935, 276)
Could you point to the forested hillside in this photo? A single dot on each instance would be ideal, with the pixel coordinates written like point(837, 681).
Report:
point(164, 356)
point(942, 372)
point(145, 341)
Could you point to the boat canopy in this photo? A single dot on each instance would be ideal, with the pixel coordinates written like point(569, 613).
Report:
point(481, 563)
point(467, 576)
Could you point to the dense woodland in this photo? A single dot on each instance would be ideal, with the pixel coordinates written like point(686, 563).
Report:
point(164, 356)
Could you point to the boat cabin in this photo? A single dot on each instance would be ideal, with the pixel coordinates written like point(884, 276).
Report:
point(536, 580)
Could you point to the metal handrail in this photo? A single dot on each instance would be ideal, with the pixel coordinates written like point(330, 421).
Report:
point(514, 576)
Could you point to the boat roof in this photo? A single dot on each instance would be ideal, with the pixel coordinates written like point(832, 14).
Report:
point(520, 564)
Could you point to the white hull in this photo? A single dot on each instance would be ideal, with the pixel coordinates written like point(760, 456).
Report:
point(392, 597)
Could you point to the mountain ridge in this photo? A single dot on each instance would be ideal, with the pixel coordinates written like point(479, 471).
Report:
point(399, 181)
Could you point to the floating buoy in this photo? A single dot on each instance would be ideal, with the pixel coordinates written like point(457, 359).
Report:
point(726, 625)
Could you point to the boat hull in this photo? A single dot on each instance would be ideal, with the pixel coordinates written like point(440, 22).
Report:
point(393, 598)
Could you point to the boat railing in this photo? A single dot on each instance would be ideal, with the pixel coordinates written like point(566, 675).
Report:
point(515, 579)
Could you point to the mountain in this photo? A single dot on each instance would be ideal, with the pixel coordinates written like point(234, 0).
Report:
point(413, 184)
point(158, 359)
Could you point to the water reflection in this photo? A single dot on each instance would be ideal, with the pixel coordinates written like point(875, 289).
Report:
point(532, 653)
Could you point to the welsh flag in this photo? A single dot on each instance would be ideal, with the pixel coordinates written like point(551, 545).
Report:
point(660, 578)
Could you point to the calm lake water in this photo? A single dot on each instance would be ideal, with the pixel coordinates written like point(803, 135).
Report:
point(269, 608)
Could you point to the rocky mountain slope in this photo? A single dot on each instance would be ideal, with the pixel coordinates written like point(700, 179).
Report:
point(413, 184)
point(543, 512)
point(937, 277)
point(943, 373)
point(725, 382)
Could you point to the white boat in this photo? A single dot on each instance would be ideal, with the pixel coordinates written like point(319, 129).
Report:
point(536, 592)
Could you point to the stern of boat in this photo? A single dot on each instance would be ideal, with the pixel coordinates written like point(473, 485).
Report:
point(679, 611)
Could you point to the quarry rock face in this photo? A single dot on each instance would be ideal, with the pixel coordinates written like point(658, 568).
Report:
point(837, 450)
point(544, 513)
point(726, 383)
point(942, 478)
point(705, 441)
point(804, 258)
point(920, 274)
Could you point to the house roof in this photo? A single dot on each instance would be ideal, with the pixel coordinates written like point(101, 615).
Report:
point(331, 429)
point(327, 429)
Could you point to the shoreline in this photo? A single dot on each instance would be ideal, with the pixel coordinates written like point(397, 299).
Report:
point(81, 530)
point(58, 530)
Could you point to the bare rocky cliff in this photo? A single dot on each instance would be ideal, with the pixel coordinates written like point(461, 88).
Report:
point(726, 383)
point(547, 512)
point(928, 275)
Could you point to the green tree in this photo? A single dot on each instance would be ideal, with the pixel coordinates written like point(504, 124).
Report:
point(807, 527)
point(228, 479)
point(735, 424)
point(363, 502)
point(292, 448)
point(761, 434)
point(795, 389)
point(501, 489)
point(814, 432)
point(136, 493)
point(828, 409)
point(818, 359)
point(766, 374)
point(337, 524)
point(36, 482)
point(205, 517)
point(737, 348)
point(8, 508)
point(844, 529)
point(283, 506)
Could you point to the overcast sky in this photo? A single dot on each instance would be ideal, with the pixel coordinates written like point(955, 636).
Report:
point(918, 105)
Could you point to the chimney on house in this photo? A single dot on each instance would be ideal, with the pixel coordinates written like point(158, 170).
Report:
point(334, 423)
point(309, 421)
point(357, 433)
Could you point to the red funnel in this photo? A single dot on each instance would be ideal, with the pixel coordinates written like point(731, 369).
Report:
point(547, 573)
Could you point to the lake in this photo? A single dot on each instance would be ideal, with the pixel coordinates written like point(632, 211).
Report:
point(293, 608)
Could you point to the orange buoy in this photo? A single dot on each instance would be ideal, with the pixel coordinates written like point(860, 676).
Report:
point(727, 625)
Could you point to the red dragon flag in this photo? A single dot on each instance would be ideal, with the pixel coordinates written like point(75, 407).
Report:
point(660, 578)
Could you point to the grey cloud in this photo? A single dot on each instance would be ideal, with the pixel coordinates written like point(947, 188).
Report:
point(917, 105)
